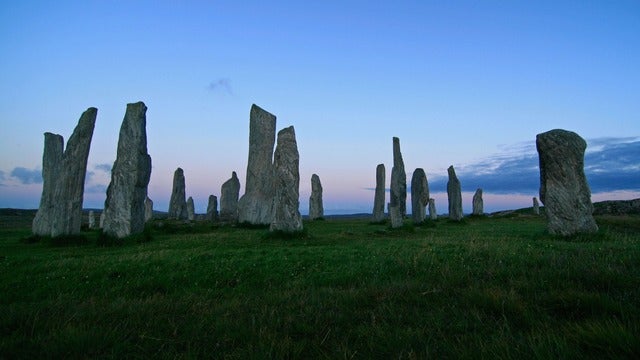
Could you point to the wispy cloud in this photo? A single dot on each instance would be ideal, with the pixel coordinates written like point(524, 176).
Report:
point(221, 83)
point(103, 167)
point(27, 176)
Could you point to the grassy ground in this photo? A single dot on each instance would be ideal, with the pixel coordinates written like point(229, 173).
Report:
point(487, 288)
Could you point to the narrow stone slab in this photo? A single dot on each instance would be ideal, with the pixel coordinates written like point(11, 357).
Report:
point(212, 209)
point(191, 211)
point(178, 202)
point(316, 209)
point(229, 199)
point(419, 195)
point(379, 199)
point(477, 203)
point(398, 180)
point(286, 203)
point(51, 166)
point(454, 194)
point(148, 209)
point(433, 215)
point(536, 206)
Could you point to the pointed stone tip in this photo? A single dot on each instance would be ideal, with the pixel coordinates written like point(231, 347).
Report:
point(233, 174)
point(179, 170)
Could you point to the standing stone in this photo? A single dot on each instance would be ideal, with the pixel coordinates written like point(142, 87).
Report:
point(433, 215)
point(92, 220)
point(255, 206)
point(191, 211)
point(536, 206)
point(229, 199)
point(419, 195)
point(286, 213)
point(148, 209)
point(102, 219)
point(478, 205)
point(378, 201)
point(124, 207)
point(212, 209)
point(178, 203)
point(63, 177)
point(454, 193)
point(316, 210)
point(395, 216)
point(398, 180)
point(563, 186)
point(51, 166)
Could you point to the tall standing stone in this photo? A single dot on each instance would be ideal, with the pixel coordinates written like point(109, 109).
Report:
point(563, 186)
point(229, 199)
point(212, 209)
point(63, 177)
point(148, 209)
point(419, 195)
point(398, 180)
point(191, 211)
point(316, 210)
point(92, 220)
point(454, 193)
point(178, 202)
point(477, 204)
point(124, 207)
point(536, 206)
point(378, 200)
point(433, 215)
point(102, 219)
point(286, 213)
point(255, 206)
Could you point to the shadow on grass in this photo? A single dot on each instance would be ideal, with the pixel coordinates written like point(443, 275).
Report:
point(287, 235)
point(62, 240)
point(105, 240)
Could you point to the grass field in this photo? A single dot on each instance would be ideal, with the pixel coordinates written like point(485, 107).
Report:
point(486, 288)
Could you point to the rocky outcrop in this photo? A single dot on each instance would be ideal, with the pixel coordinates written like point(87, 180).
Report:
point(229, 199)
point(191, 211)
point(316, 209)
point(212, 209)
point(124, 207)
point(563, 186)
point(478, 203)
point(255, 206)
point(378, 201)
point(419, 195)
point(454, 194)
point(286, 213)
point(178, 202)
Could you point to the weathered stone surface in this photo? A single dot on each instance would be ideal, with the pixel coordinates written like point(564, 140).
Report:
point(396, 217)
point(124, 207)
point(563, 186)
point(477, 204)
point(229, 199)
point(316, 210)
point(536, 206)
point(178, 202)
point(419, 195)
point(454, 193)
point(191, 211)
point(286, 213)
point(102, 219)
point(398, 180)
point(64, 175)
point(92, 220)
point(378, 201)
point(148, 209)
point(255, 206)
point(433, 215)
point(212, 209)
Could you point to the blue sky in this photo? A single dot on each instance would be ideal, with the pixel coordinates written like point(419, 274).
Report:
point(465, 83)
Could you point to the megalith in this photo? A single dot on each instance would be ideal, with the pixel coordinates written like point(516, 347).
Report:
point(148, 209)
point(454, 194)
point(255, 206)
point(433, 215)
point(212, 209)
point(92, 220)
point(63, 173)
point(229, 199)
point(178, 202)
point(477, 203)
point(563, 185)
point(419, 195)
point(124, 207)
point(536, 206)
point(378, 200)
point(102, 219)
point(398, 180)
point(316, 210)
point(191, 211)
point(286, 213)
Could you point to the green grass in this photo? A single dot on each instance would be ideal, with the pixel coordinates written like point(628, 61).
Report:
point(487, 288)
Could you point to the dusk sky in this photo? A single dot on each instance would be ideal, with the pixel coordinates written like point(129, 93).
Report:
point(463, 83)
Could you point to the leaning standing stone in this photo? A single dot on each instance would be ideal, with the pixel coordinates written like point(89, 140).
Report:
point(454, 193)
point(477, 205)
point(124, 207)
point(286, 213)
point(212, 209)
point(378, 201)
point(178, 202)
point(536, 206)
point(191, 211)
point(433, 215)
point(563, 186)
point(229, 199)
point(148, 209)
point(398, 180)
point(419, 195)
point(316, 210)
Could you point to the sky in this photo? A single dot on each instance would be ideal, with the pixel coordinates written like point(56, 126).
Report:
point(462, 83)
